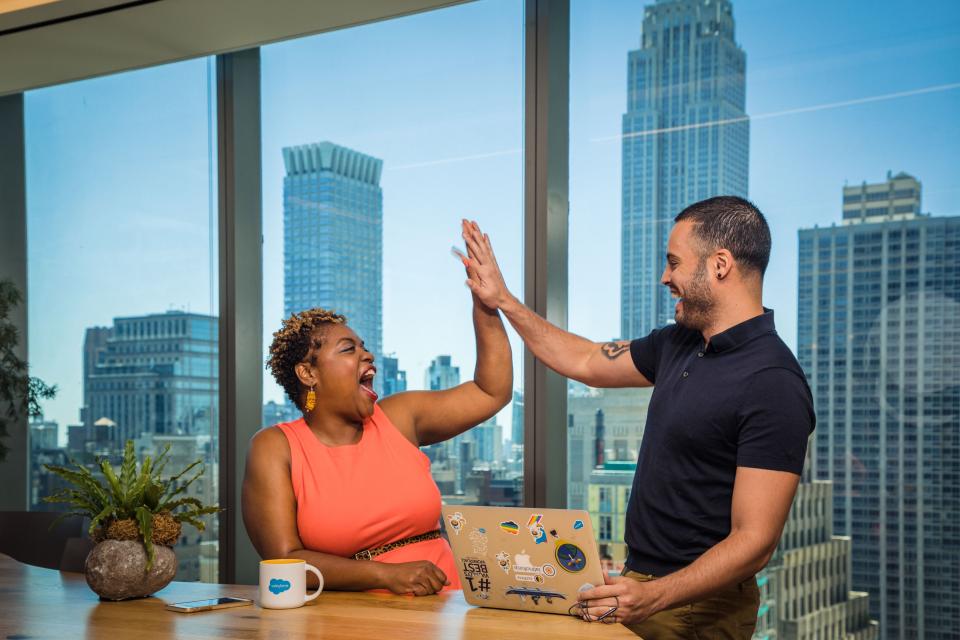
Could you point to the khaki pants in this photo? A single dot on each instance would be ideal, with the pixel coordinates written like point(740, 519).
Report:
point(728, 614)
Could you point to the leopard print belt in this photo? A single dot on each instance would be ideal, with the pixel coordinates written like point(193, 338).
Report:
point(370, 554)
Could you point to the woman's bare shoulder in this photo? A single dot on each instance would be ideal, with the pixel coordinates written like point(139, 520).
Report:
point(271, 443)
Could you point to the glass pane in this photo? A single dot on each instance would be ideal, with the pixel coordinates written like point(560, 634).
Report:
point(377, 141)
point(122, 218)
point(841, 126)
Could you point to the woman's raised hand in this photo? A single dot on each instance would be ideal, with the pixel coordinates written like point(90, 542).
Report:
point(483, 273)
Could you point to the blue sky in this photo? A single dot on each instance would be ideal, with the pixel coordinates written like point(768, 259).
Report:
point(120, 169)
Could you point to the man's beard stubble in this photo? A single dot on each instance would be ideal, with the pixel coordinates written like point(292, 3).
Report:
point(698, 303)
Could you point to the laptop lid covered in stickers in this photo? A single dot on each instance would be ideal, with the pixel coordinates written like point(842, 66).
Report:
point(523, 559)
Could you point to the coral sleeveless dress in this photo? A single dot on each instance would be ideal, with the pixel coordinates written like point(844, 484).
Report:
point(365, 495)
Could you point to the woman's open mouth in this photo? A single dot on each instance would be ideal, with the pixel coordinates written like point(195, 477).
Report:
point(366, 382)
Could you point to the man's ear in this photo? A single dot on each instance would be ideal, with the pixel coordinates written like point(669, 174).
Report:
point(722, 264)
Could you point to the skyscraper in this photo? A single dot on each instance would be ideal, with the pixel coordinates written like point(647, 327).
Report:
point(685, 138)
point(879, 320)
point(805, 591)
point(441, 374)
point(516, 425)
point(153, 374)
point(394, 379)
point(94, 341)
point(488, 436)
point(333, 236)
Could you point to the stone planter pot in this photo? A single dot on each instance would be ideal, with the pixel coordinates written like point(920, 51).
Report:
point(116, 569)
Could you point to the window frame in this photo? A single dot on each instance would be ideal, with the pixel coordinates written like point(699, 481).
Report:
point(240, 273)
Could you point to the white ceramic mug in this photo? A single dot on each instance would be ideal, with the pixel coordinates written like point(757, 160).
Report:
point(283, 583)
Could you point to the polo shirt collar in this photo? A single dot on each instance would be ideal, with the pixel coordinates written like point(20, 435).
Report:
point(743, 332)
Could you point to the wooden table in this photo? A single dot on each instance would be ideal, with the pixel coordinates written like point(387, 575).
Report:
point(43, 603)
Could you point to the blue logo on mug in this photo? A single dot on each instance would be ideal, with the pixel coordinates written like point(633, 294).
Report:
point(278, 586)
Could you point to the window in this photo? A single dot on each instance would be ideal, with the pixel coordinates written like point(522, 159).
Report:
point(122, 293)
point(660, 119)
point(426, 113)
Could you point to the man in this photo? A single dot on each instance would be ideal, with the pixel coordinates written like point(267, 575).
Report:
point(726, 431)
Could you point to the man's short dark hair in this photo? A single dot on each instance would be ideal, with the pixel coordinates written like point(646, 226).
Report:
point(734, 224)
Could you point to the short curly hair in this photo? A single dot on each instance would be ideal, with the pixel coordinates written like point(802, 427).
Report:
point(293, 341)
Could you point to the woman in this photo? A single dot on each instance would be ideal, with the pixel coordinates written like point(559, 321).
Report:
point(348, 478)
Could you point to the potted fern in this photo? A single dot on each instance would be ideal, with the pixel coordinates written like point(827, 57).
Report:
point(135, 518)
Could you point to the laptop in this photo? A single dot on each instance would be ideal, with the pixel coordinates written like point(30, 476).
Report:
point(523, 559)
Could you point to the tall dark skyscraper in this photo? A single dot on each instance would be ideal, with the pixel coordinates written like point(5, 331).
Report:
point(154, 374)
point(333, 236)
point(879, 319)
point(685, 138)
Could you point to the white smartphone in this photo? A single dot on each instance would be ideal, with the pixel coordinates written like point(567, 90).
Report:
point(206, 605)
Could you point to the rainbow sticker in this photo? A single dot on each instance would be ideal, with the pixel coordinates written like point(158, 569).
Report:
point(510, 527)
point(535, 527)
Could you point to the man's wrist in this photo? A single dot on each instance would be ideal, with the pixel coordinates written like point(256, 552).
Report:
point(660, 594)
point(509, 304)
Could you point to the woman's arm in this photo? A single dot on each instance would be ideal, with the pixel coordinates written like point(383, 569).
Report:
point(269, 515)
point(426, 417)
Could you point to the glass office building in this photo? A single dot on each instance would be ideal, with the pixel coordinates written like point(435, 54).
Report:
point(154, 374)
point(879, 320)
point(333, 237)
point(685, 138)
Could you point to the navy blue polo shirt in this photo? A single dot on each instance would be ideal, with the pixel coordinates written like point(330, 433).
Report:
point(741, 401)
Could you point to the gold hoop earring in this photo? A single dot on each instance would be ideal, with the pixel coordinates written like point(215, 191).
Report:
point(311, 400)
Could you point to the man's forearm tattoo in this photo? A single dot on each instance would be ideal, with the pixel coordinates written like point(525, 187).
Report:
point(614, 350)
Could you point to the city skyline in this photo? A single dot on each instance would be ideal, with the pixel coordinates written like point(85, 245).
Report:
point(836, 96)
point(809, 135)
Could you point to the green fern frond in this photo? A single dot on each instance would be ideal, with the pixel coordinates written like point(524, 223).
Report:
point(161, 460)
point(170, 505)
point(153, 496)
point(64, 515)
point(106, 512)
point(112, 480)
point(192, 516)
point(128, 469)
point(196, 522)
point(173, 479)
point(183, 487)
point(78, 478)
point(145, 523)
